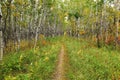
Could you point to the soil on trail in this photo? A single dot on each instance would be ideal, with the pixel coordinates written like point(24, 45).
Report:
point(60, 70)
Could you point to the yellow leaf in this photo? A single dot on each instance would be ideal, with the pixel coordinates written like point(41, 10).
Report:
point(79, 51)
point(46, 59)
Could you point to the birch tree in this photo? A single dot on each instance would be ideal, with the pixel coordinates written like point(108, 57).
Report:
point(117, 8)
point(1, 35)
point(36, 26)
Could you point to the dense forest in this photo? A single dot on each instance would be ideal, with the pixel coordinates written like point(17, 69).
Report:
point(38, 38)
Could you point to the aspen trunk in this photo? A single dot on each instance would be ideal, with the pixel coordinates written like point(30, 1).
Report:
point(97, 27)
point(36, 26)
point(1, 46)
point(117, 22)
point(1, 36)
point(1, 43)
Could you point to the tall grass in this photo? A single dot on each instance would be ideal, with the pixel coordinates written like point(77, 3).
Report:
point(85, 61)
point(90, 63)
point(38, 64)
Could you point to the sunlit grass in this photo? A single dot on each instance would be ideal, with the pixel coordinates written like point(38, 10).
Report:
point(85, 61)
point(31, 64)
point(90, 63)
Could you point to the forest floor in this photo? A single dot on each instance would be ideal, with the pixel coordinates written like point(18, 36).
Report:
point(62, 58)
point(60, 68)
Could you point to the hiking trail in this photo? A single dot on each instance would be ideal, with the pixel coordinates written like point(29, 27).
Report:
point(60, 70)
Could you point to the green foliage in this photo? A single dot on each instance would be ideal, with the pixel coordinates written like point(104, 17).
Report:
point(88, 62)
point(30, 64)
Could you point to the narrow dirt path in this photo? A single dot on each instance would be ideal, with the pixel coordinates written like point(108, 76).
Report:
point(60, 70)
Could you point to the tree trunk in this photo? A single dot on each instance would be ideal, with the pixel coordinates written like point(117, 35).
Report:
point(97, 27)
point(35, 23)
point(117, 21)
point(1, 45)
point(1, 36)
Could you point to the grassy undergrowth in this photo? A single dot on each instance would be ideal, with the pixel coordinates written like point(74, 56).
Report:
point(90, 63)
point(86, 61)
point(31, 64)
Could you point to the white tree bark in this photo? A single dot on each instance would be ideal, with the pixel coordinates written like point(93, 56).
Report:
point(1, 37)
point(1, 45)
point(117, 7)
point(36, 17)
